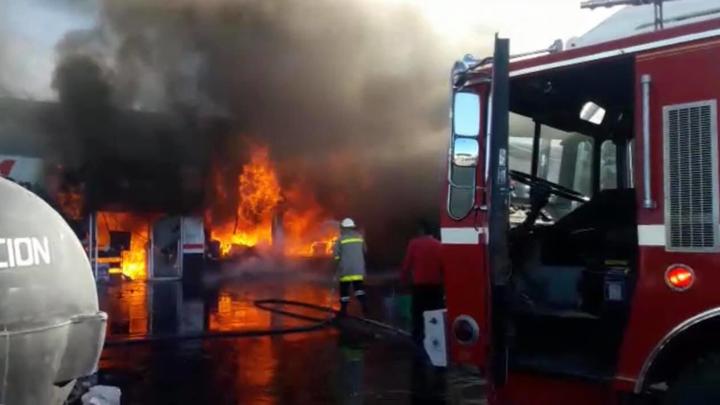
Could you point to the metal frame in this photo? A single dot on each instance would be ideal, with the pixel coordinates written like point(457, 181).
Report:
point(181, 248)
point(537, 132)
point(618, 52)
point(714, 153)
point(488, 135)
point(648, 202)
point(682, 17)
point(658, 8)
point(677, 330)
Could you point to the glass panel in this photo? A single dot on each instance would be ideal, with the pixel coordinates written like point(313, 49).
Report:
point(608, 165)
point(466, 123)
point(631, 163)
point(461, 199)
point(582, 180)
point(564, 158)
point(465, 152)
point(550, 156)
point(461, 202)
point(466, 114)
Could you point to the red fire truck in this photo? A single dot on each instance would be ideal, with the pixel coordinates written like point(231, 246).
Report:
point(582, 228)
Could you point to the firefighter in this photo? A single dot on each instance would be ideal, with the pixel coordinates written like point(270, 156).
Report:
point(422, 269)
point(350, 258)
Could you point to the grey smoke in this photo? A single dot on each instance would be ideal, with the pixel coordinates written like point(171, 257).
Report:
point(351, 96)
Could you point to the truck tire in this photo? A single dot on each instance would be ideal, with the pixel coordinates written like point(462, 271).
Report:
point(698, 384)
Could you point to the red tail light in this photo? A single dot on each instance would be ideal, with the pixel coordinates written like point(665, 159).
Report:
point(679, 277)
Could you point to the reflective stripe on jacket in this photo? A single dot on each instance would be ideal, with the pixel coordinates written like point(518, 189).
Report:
point(350, 255)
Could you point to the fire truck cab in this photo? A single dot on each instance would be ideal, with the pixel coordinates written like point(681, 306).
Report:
point(581, 231)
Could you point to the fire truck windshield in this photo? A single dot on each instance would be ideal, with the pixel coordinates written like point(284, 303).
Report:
point(564, 158)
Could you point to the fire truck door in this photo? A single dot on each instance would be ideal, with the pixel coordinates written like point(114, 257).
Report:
point(467, 283)
point(474, 231)
point(498, 208)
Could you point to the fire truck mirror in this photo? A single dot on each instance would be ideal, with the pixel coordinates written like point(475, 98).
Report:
point(460, 202)
point(466, 114)
point(461, 196)
point(465, 152)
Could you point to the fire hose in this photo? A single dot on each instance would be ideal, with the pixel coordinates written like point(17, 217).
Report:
point(271, 305)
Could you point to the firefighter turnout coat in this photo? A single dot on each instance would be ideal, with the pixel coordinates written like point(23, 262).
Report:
point(349, 253)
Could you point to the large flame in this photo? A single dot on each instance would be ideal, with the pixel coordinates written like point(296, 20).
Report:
point(258, 195)
point(307, 229)
point(266, 216)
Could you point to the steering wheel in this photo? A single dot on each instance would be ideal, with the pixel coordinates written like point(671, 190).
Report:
point(556, 189)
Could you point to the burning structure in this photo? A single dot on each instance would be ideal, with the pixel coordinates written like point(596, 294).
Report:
point(110, 194)
point(115, 197)
point(251, 116)
point(256, 211)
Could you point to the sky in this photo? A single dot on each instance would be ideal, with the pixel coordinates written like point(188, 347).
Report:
point(29, 30)
point(530, 24)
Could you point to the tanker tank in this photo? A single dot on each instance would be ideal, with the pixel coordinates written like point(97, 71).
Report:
point(51, 330)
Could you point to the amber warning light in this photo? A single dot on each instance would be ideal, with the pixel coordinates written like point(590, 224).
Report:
point(679, 277)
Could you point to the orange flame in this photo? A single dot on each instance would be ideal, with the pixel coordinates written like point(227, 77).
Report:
point(258, 194)
point(133, 261)
point(260, 201)
point(308, 232)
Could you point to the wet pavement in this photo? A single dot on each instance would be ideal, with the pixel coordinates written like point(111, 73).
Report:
point(326, 366)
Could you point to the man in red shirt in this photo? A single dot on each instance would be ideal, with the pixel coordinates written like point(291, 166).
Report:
point(422, 269)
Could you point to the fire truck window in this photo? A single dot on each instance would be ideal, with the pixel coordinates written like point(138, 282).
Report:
point(520, 151)
point(582, 179)
point(549, 159)
point(608, 165)
point(564, 158)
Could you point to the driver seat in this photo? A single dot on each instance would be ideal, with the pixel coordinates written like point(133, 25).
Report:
point(604, 228)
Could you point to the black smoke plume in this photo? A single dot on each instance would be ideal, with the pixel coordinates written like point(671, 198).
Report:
point(351, 96)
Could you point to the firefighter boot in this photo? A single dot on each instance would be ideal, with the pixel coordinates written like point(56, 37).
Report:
point(343, 309)
point(363, 302)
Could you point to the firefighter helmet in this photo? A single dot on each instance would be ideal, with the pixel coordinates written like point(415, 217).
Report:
point(52, 331)
point(347, 223)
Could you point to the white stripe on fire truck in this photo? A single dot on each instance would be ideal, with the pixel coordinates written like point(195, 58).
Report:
point(648, 235)
point(651, 235)
point(461, 236)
